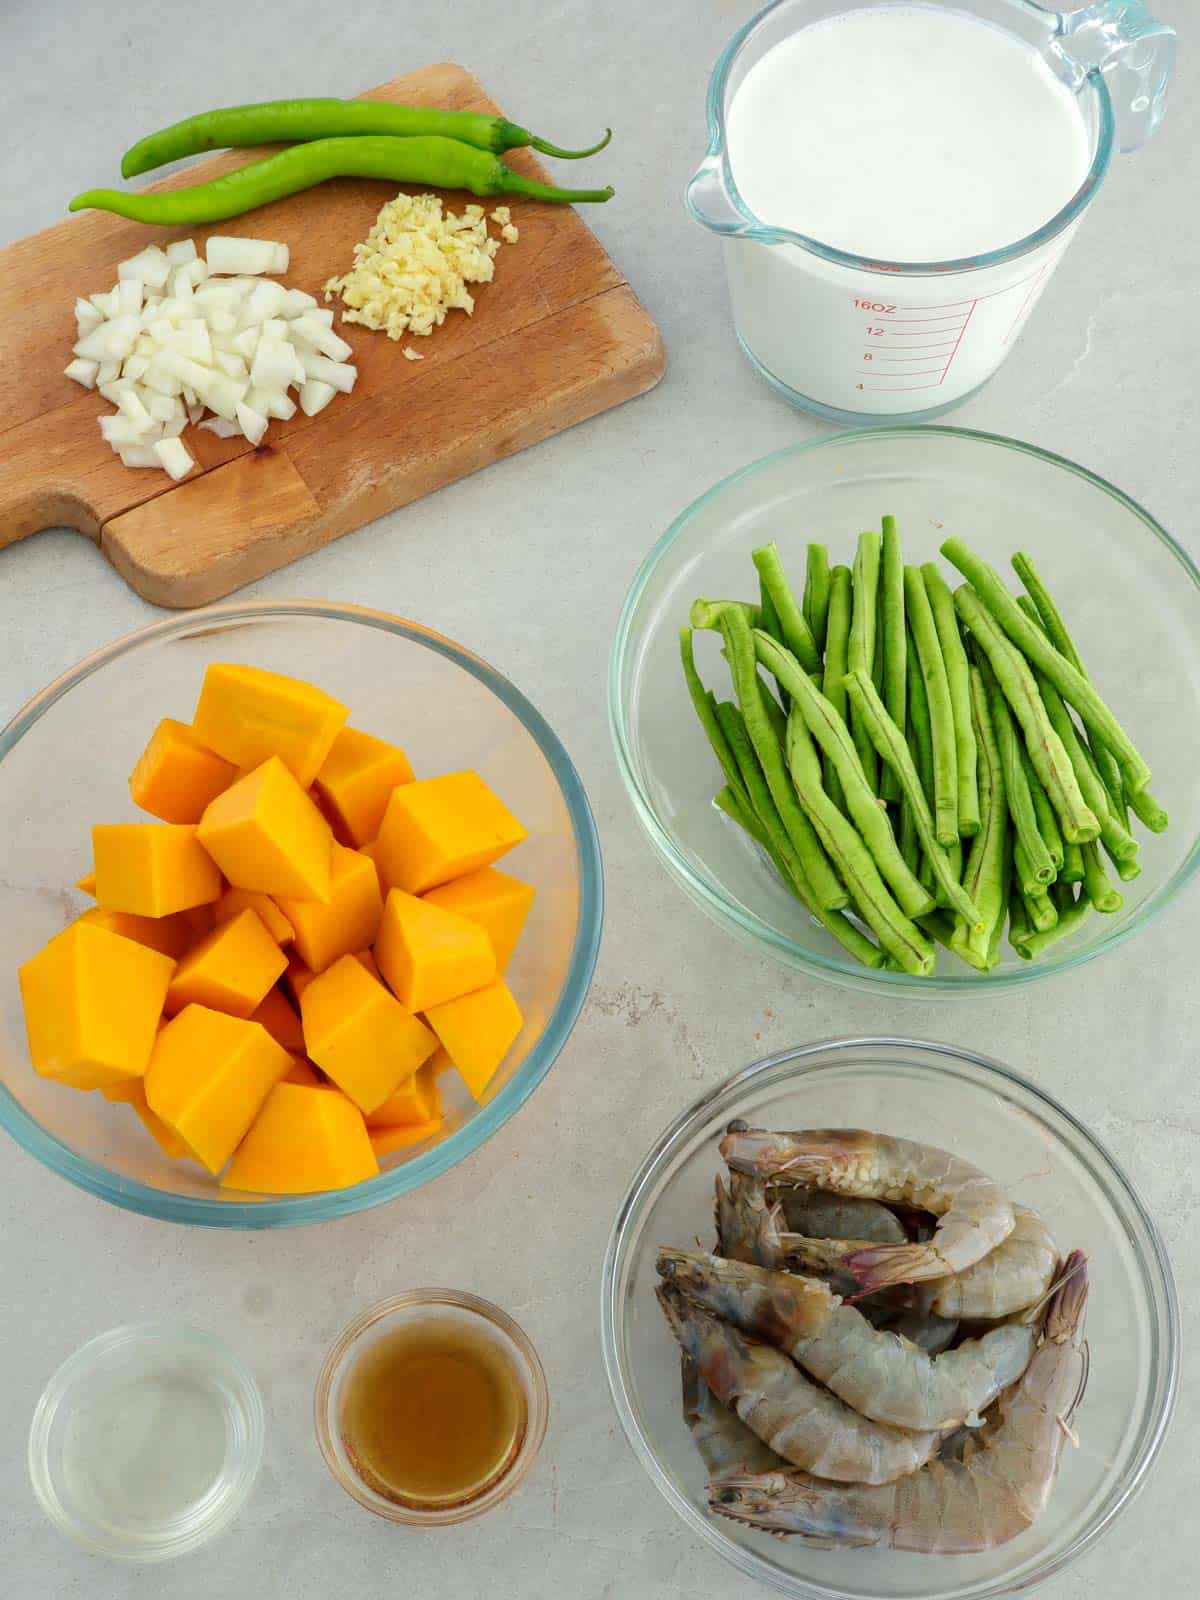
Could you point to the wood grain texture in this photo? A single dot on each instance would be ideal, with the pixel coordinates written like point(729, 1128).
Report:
point(557, 337)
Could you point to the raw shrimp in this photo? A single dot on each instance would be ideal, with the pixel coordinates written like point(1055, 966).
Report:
point(799, 1420)
point(747, 1225)
point(724, 1441)
point(955, 1507)
point(926, 1330)
point(974, 1214)
point(1014, 1275)
point(883, 1377)
point(819, 1215)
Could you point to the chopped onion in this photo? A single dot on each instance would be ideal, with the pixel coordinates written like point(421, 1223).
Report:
point(179, 335)
point(83, 372)
point(252, 423)
point(226, 254)
point(315, 396)
point(173, 456)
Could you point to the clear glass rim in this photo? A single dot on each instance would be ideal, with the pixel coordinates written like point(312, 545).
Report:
point(419, 1169)
point(710, 893)
point(235, 1489)
point(770, 233)
point(985, 1067)
point(536, 1424)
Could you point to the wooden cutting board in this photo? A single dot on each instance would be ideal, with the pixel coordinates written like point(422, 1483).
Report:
point(556, 337)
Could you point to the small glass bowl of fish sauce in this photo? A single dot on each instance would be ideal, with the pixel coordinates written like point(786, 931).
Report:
point(431, 1407)
point(995, 1118)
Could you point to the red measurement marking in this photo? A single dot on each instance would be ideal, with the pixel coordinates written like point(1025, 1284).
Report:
point(1033, 283)
point(958, 341)
point(925, 372)
point(902, 388)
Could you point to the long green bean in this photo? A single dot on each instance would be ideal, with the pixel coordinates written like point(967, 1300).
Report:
point(794, 631)
point(941, 709)
point(1074, 687)
point(1147, 809)
point(833, 736)
point(743, 667)
point(1069, 918)
point(1015, 677)
point(920, 735)
point(896, 932)
point(1096, 883)
point(945, 618)
point(1016, 790)
point(1019, 927)
point(837, 638)
point(1054, 626)
point(815, 604)
point(703, 702)
point(955, 857)
point(1115, 835)
point(1042, 911)
point(895, 646)
point(985, 877)
point(860, 648)
point(910, 844)
point(893, 749)
point(1047, 821)
point(1072, 867)
point(1027, 871)
point(779, 847)
point(768, 617)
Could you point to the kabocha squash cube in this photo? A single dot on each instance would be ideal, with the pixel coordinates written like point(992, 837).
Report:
point(349, 921)
point(498, 903)
point(247, 715)
point(302, 1071)
point(230, 970)
point(303, 1140)
point(385, 1141)
point(152, 868)
point(176, 775)
point(440, 1061)
point(477, 1030)
point(170, 936)
point(440, 828)
point(416, 1101)
point(356, 781)
point(428, 955)
point(208, 1076)
point(360, 1035)
point(134, 1094)
point(234, 901)
point(87, 884)
point(280, 1021)
point(265, 833)
point(92, 1002)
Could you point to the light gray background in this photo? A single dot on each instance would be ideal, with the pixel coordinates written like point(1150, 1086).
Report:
point(528, 563)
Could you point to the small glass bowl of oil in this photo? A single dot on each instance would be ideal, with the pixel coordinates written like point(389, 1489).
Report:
point(146, 1442)
point(431, 1407)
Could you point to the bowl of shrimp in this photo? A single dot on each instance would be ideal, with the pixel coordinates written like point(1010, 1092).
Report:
point(925, 1344)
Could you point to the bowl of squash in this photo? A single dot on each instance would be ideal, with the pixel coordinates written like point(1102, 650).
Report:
point(301, 903)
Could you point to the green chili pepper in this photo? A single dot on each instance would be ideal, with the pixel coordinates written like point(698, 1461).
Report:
point(440, 163)
point(294, 121)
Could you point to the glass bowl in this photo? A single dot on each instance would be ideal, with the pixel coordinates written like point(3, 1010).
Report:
point(79, 1416)
point(64, 761)
point(1131, 597)
point(417, 1305)
point(992, 1116)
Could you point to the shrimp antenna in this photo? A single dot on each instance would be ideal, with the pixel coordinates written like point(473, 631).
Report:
point(1085, 1367)
point(1029, 1312)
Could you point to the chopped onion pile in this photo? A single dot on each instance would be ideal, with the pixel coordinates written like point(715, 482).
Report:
point(177, 336)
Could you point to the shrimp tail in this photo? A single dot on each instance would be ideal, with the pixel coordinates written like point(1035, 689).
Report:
point(1068, 1298)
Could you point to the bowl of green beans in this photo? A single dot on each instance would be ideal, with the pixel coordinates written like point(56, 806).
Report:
point(881, 710)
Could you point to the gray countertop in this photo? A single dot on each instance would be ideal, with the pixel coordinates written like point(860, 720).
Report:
point(1105, 374)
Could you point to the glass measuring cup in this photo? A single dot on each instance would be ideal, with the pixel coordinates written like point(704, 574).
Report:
point(834, 331)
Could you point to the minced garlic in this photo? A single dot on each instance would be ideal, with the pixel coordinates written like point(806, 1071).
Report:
point(415, 265)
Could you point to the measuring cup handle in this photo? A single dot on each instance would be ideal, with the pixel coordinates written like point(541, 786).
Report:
point(1134, 52)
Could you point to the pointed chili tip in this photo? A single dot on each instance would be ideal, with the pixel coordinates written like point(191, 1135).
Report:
point(548, 149)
